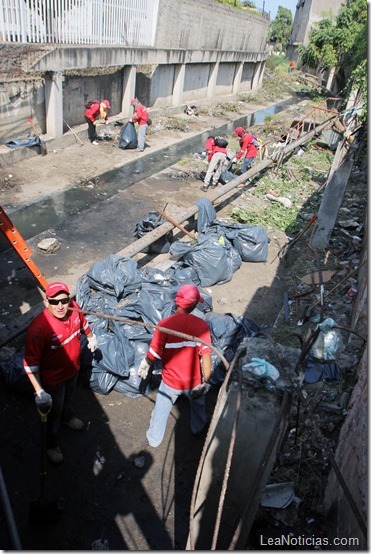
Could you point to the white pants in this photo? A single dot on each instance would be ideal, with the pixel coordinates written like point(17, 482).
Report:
point(215, 168)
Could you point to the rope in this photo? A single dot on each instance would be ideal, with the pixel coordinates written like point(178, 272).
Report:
point(228, 463)
point(209, 438)
point(158, 327)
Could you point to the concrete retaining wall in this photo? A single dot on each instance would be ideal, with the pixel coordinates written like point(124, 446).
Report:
point(208, 25)
point(202, 51)
point(77, 90)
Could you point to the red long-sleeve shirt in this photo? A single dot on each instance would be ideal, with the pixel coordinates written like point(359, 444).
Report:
point(211, 148)
point(247, 147)
point(180, 357)
point(141, 115)
point(93, 112)
point(53, 346)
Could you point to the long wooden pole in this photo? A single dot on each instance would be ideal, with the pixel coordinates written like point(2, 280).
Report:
point(180, 227)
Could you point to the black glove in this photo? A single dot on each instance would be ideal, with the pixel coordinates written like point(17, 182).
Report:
point(200, 390)
point(43, 399)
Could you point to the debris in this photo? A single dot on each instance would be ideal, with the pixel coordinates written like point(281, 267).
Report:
point(313, 278)
point(100, 544)
point(278, 495)
point(191, 110)
point(281, 199)
point(49, 245)
point(329, 343)
point(261, 369)
point(99, 461)
point(352, 292)
point(139, 461)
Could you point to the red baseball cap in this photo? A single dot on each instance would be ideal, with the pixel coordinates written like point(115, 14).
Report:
point(107, 104)
point(133, 101)
point(55, 288)
point(187, 296)
point(238, 131)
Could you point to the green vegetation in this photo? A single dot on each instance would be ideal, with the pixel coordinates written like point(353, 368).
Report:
point(247, 5)
point(177, 124)
point(300, 180)
point(342, 45)
point(280, 30)
point(274, 215)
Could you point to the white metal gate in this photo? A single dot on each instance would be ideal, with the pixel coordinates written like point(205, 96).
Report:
point(96, 22)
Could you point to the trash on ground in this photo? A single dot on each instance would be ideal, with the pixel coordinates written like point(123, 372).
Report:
point(261, 369)
point(313, 278)
point(278, 495)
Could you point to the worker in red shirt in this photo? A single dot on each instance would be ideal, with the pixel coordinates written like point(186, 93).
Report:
point(51, 361)
point(186, 365)
point(141, 117)
point(95, 111)
point(216, 151)
point(248, 150)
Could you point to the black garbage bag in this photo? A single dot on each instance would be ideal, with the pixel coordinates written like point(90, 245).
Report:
point(227, 333)
point(148, 224)
point(227, 174)
point(134, 386)
point(250, 241)
point(128, 137)
point(116, 275)
point(12, 372)
point(211, 259)
point(206, 215)
point(115, 353)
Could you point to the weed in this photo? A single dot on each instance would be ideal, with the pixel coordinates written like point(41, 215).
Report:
point(276, 215)
point(177, 124)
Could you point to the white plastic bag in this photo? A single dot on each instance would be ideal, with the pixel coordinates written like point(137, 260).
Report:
point(329, 343)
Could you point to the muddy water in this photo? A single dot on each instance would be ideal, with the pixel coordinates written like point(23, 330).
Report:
point(49, 212)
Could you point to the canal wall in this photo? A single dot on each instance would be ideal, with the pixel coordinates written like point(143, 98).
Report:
point(202, 51)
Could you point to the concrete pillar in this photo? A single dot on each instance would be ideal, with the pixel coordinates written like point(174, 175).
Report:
point(178, 84)
point(334, 194)
point(237, 78)
point(330, 79)
point(256, 76)
point(213, 77)
point(129, 76)
point(54, 104)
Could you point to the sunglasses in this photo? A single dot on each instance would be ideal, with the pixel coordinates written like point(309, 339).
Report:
point(55, 302)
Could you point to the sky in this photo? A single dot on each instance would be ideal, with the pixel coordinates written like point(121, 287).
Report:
point(272, 6)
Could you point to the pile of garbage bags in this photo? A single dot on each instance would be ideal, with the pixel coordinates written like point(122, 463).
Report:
point(125, 302)
point(117, 288)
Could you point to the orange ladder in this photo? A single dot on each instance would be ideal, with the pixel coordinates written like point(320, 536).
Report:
point(21, 247)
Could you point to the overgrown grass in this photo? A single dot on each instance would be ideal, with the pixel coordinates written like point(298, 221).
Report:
point(299, 180)
point(177, 124)
point(274, 215)
point(274, 62)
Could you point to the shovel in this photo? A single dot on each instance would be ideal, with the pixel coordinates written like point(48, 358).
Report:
point(42, 510)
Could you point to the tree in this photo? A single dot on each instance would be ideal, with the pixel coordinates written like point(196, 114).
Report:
point(281, 27)
point(341, 45)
